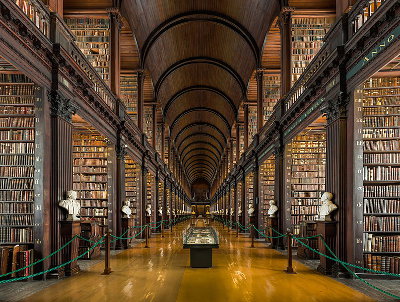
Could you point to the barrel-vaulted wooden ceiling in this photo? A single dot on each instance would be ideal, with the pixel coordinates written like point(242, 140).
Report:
point(200, 55)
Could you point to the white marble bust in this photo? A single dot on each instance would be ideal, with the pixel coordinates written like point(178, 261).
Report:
point(250, 211)
point(327, 207)
point(148, 210)
point(272, 208)
point(126, 209)
point(168, 211)
point(72, 206)
point(239, 210)
point(160, 211)
point(232, 212)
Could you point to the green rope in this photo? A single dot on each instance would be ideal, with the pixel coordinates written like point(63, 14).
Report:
point(41, 260)
point(127, 238)
point(54, 268)
point(269, 237)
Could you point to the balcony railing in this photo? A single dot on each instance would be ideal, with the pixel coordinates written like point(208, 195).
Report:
point(37, 13)
point(362, 12)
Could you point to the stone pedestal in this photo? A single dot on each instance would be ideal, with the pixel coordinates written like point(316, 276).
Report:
point(272, 222)
point(67, 231)
point(328, 231)
point(127, 224)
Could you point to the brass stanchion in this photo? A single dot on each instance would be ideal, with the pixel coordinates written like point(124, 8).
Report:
point(237, 229)
point(289, 268)
point(147, 235)
point(162, 229)
point(252, 235)
point(229, 227)
point(107, 268)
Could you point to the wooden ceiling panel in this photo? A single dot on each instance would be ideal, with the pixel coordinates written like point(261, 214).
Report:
point(312, 4)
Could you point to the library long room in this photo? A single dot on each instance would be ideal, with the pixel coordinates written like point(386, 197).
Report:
point(172, 150)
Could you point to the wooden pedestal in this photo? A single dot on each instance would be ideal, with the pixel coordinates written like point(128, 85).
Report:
point(252, 230)
point(68, 230)
point(127, 224)
point(272, 222)
point(308, 229)
point(328, 231)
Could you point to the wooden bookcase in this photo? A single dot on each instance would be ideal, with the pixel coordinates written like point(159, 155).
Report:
point(90, 172)
point(308, 34)
point(249, 193)
point(93, 39)
point(267, 185)
point(377, 103)
point(252, 123)
point(160, 198)
point(272, 93)
point(305, 174)
point(129, 93)
point(241, 139)
point(151, 193)
point(21, 169)
point(132, 185)
point(148, 122)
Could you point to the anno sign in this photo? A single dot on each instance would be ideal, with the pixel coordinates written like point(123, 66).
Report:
point(393, 36)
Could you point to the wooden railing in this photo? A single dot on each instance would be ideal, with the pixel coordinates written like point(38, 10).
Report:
point(362, 12)
point(37, 13)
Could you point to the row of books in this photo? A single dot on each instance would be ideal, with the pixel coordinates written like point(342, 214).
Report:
point(10, 109)
point(14, 78)
point(307, 156)
point(17, 171)
point(309, 187)
point(100, 23)
point(82, 161)
point(390, 206)
point(271, 85)
point(390, 92)
point(90, 178)
point(379, 101)
point(308, 175)
point(381, 133)
point(11, 89)
point(305, 209)
point(24, 148)
point(12, 234)
point(382, 145)
point(381, 173)
point(81, 170)
point(17, 122)
point(94, 150)
point(16, 207)
point(16, 100)
point(372, 243)
point(16, 195)
point(381, 82)
point(93, 212)
point(296, 220)
point(387, 264)
point(83, 185)
point(16, 257)
point(94, 203)
point(16, 183)
point(92, 194)
point(306, 201)
point(305, 165)
point(382, 191)
point(381, 121)
point(308, 194)
point(16, 159)
point(382, 110)
point(382, 158)
point(16, 219)
point(17, 135)
point(381, 224)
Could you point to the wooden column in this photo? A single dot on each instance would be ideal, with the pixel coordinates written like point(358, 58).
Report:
point(244, 209)
point(235, 205)
point(246, 126)
point(256, 197)
point(162, 141)
point(169, 152)
point(143, 193)
point(120, 151)
point(237, 142)
point(286, 46)
point(279, 192)
point(154, 126)
point(231, 151)
point(260, 99)
point(140, 99)
point(156, 199)
point(115, 29)
point(57, 6)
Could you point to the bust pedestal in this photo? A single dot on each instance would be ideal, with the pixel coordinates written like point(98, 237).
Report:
point(272, 222)
point(148, 221)
point(67, 231)
point(252, 222)
point(127, 224)
point(328, 231)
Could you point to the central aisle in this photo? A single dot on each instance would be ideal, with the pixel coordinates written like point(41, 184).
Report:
point(162, 273)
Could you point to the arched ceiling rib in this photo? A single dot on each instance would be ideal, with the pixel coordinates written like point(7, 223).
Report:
point(200, 55)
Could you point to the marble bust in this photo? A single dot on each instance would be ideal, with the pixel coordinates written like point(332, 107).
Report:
point(126, 209)
point(160, 210)
point(327, 207)
point(168, 211)
point(250, 211)
point(72, 206)
point(239, 210)
point(232, 212)
point(148, 210)
point(272, 208)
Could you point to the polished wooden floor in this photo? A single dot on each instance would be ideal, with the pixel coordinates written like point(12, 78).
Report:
point(162, 273)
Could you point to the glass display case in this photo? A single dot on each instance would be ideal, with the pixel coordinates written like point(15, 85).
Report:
point(200, 241)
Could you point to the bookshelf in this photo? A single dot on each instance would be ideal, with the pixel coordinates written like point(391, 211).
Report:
point(148, 122)
point(151, 193)
point(252, 123)
point(267, 184)
point(17, 159)
point(160, 198)
point(272, 86)
point(249, 193)
point(308, 33)
point(378, 97)
point(168, 195)
point(234, 150)
point(241, 139)
point(305, 174)
point(93, 39)
point(90, 172)
point(158, 138)
point(129, 93)
point(239, 188)
point(132, 174)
